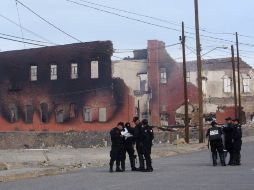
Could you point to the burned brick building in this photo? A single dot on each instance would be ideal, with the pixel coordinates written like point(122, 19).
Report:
point(61, 88)
point(156, 82)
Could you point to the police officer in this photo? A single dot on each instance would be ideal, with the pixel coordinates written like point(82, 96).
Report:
point(214, 135)
point(138, 139)
point(227, 131)
point(117, 147)
point(147, 139)
point(129, 142)
point(237, 142)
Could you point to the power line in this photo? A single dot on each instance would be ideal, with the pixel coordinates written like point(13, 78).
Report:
point(48, 22)
point(170, 22)
point(31, 43)
point(27, 30)
point(23, 38)
point(123, 16)
point(153, 24)
point(20, 25)
point(131, 50)
point(155, 18)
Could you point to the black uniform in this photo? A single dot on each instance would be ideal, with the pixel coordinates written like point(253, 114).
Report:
point(227, 130)
point(215, 138)
point(237, 144)
point(129, 143)
point(139, 145)
point(147, 138)
point(117, 148)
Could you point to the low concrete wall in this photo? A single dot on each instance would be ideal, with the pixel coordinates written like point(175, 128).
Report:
point(16, 140)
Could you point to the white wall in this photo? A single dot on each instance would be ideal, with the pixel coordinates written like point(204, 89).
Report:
point(128, 70)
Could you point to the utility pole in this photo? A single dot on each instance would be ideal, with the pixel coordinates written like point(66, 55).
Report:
point(186, 111)
point(199, 69)
point(234, 80)
point(239, 81)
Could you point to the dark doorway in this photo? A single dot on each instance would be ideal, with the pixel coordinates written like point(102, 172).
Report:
point(44, 112)
point(29, 111)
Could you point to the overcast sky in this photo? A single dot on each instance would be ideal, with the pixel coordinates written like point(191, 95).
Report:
point(86, 24)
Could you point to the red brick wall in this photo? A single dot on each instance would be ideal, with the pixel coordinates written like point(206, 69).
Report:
point(170, 94)
point(153, 81)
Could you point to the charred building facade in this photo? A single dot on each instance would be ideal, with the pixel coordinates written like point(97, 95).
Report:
point(61, 88)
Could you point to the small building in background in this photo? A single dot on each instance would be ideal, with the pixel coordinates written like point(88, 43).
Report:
point(218, 88)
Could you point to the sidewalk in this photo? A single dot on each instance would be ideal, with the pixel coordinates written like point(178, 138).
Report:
point(25, 163)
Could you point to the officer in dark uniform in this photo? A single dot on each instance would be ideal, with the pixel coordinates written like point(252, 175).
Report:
point(138, 140)
point(147, 142)
point(227, 131)
point(237, 142)
point(117, 147)
point(214, 135)
point(129, 142)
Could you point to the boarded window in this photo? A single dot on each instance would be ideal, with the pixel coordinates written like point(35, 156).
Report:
point(59, 114)
point(53, 72)
point(44, 112)
point(143, 82)
point(102, 114)
point(227, 84)
point(163, 108)
point(204, 86)
point(29, 114)
point(163, 75)
point(188, 76)
point(33, 73)
point(13, 111)
point(246, 85)
point(94, 69)
point(164, 119)
point(87, 114)
point(74, 71)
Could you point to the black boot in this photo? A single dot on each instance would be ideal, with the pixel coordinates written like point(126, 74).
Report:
point(238, 159)
point(214, 156)
point(222, 159)
point(141, 163)
point(132, 162)
point(123, 165)
point(233, 162)
point(111, 164)
point(149, 167)
point(230, 158)
point(118, 166)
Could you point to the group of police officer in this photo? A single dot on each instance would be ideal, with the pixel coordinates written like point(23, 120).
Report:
point(124, 137)
point(226, 140)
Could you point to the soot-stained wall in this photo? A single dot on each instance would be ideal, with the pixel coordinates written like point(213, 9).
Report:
point(64, 104)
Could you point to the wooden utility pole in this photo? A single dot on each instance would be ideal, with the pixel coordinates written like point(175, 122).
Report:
point(239, 80)
point(234, 80)
point(186, 110)
point(199, 69)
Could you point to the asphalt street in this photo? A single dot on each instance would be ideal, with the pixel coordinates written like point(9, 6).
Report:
point(183, 172)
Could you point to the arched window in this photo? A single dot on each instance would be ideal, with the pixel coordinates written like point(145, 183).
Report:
point(246, 83)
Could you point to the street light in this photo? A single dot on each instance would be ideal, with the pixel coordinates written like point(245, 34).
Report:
point(222, 47)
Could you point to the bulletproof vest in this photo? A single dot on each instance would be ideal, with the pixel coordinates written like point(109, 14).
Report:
point(214, 134)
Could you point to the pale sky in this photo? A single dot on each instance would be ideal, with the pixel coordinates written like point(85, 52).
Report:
point(86, 24)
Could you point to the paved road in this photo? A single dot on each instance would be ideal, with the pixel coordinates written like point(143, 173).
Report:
point(189, 171)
